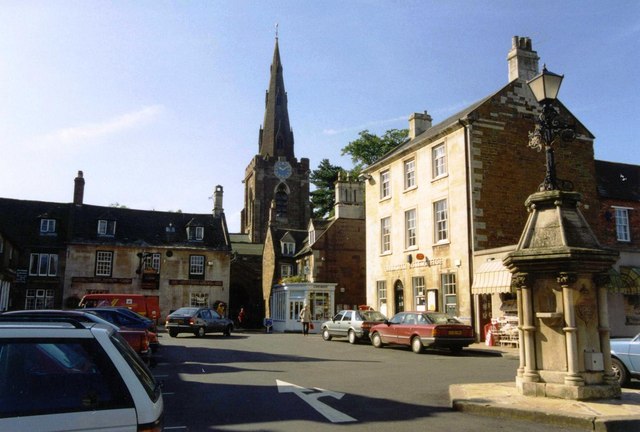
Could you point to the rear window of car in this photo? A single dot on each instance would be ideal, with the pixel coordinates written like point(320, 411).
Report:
point(47, 376)
point(372, 316)
point(139, 368)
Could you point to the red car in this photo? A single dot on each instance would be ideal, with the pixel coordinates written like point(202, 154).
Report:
point(423, 329)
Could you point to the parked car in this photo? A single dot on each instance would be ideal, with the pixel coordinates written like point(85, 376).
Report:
point(197, 320)
point(57, 373)
point(423, 329)
point(625, 358)
point(352, 324)
point(138, 338)
point(123, 317)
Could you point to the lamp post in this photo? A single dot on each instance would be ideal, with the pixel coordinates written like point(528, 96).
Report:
point(549, 124)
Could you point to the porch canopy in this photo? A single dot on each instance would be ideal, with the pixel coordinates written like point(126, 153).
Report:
point(491, 278)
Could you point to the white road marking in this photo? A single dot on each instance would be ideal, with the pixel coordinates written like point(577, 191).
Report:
point(311, 397)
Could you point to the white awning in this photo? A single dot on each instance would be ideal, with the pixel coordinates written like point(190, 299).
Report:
point(491, 278)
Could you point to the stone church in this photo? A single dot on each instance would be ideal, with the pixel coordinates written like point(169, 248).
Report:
point(274, 177)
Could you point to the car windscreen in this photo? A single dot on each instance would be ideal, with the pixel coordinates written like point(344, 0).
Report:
point(140, 369)
point(440, 318)
point(185, 311)
point(41, 376)
point(372, 316)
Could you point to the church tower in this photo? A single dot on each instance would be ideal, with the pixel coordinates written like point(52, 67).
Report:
point(274, 175)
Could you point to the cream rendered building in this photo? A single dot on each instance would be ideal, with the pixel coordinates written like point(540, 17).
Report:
point(443, 208)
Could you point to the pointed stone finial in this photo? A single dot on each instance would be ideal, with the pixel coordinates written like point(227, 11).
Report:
point(276, 30)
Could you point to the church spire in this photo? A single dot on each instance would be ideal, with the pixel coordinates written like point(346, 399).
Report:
point(276, 137)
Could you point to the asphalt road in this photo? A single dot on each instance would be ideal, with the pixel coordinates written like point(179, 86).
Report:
point(289, 382)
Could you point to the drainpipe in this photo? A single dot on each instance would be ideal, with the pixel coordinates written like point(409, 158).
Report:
point(467, 124)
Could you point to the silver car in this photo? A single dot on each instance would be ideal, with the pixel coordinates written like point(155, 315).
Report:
point(352, 324)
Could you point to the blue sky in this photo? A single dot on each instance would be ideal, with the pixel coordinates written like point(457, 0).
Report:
point(157, 102)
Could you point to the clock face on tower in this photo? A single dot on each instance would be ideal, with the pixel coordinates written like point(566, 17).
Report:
point(282, 169)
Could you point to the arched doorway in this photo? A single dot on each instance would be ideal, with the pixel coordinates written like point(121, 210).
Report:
point(398, 296)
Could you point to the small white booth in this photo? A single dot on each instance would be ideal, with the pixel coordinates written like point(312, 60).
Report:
point(287, 300)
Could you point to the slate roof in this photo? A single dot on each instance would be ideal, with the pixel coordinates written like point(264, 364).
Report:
point(618, 180)
point(78, 225)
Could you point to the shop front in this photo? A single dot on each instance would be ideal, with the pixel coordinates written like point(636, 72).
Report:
point(287, 300)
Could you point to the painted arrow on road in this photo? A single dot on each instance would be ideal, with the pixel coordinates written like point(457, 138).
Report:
point(312, 396)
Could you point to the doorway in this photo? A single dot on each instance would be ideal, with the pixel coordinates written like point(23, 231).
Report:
point(398, 296)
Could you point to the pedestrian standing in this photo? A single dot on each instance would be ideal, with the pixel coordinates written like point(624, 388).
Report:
point(305, 319)
point(241, 317)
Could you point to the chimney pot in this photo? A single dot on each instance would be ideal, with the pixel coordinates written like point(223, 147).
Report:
point(418, 123)
point(78, 189)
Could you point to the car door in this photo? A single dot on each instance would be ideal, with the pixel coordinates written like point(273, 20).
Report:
point(634, 354)
point(206, 319)
point(389, 333)
point(217, 322)
point(406, 329)
point(345, 323)
point(334, 324)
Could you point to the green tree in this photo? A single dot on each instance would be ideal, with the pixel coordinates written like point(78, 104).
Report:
point(369, 147)
point(323, 197)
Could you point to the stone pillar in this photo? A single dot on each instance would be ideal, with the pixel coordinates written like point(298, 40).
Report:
point(573, 376)
point(518, 281)
point(601, 281)
point(530, 373)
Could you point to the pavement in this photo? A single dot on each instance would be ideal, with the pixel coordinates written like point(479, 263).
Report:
point(504, 401)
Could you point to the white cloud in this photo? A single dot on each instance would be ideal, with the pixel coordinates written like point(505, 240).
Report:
point(130, 120)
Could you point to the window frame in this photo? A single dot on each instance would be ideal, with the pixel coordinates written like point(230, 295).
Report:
point(106, 228)
point(411, 229)
point(288, 248)
point(48, 267)
point(104, 262)
point(449, 289)
point(419, 292)
point(438, 161)
point(195, 233)
point(441, 221)
point(385, 184)
point(410, 173)
point(286, 270)
point(47, 226)
point(623, 227)
point(197, 269)
point(385, 235)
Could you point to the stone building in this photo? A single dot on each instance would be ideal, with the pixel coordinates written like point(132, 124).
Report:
point(73, 249)
point(451, 199)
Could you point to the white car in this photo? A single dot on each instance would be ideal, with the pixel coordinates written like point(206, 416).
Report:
point(63, 375)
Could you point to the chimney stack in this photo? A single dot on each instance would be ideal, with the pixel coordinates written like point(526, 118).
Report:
point(418, 123)
point(78, 190)
point(217, 201)
point(522, 59)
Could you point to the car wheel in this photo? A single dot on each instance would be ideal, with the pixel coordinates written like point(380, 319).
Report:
point(227, 331)
point(325, 334)
point(620, 371)
point(173, 333)
point(376, 340)
point(199, 332)
point(416, 345)
point(352, 337)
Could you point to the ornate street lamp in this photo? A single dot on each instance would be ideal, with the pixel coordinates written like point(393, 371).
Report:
point(549, 125)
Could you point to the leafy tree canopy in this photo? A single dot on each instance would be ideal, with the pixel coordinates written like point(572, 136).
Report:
point(369, 147)
point(323, 197)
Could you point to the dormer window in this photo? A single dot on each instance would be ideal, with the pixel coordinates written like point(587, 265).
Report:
point(288, 248)
point(106, 228)
point(312, 236)
point(195, 233)
point(47, 226)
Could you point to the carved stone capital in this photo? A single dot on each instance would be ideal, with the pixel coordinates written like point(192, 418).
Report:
point(566, 278)
point(520, 280)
